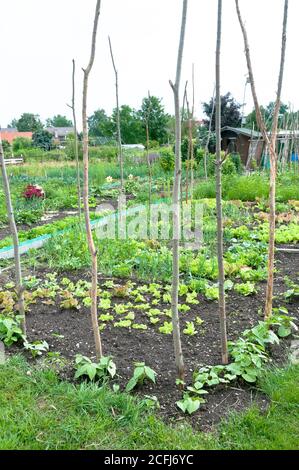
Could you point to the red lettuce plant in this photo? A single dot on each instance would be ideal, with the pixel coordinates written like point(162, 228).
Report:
point(33, 191)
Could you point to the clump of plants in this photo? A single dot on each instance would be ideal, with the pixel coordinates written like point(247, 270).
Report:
point(141, 374)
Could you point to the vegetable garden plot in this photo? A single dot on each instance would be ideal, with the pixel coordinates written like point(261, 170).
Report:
point(135, 323)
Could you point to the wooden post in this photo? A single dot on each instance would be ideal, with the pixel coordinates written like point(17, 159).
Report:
point(76, 140)
point(119, 143)
point(91, 245)
point(15, 238)
point(221, 277)
point(270, 142)
point(176, 204)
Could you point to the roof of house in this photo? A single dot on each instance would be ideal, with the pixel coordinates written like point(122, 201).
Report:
point(11, 134)
point(60, 131)
point(242, 131)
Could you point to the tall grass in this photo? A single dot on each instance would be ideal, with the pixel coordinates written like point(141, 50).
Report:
point(249, 188)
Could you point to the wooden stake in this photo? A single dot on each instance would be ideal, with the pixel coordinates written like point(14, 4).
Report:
point(15, 238)
point(176, 204)
point(221, 277)
point(120, 151)
point(73, 108)
point(270, 143)
point(91, 245)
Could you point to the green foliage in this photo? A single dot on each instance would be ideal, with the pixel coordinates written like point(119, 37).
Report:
point(293, 291)
point(140, 375)
point(167, 328)
point(29, 122)
point(166, 159)
point(101, 370)
point(10, 330)
point(189, 404)
point(42, 139)
point(190, 329)
point(246, 289)
point(37, 348)
point(6, 148)
point(152, 110)
point(100, 125)
point(35, 399)
point(104, 152)
point(283, 322)
point(131, 125)
point(209, 376)
point(230, 111)
point(59, 121)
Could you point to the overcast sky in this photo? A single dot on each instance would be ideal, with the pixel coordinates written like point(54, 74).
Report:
point(40, 38)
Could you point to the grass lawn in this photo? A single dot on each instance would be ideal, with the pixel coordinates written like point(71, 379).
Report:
point(40, 412)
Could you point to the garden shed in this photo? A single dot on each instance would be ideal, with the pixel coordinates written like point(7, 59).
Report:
point(247, 142)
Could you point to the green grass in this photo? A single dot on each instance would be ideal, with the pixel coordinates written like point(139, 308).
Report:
point(40, 412)
point(248, 188)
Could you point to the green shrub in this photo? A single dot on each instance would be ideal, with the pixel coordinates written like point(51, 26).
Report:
point(32, 153)
point(228, 167)
point(21, 143)
point(205, 190)
point(56, 155)
point(245, 188)
point(104, 152)
point(236, 159)
point(70, 149)
point(167, 159)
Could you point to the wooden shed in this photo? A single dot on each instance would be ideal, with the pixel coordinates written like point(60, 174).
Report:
point(248, 143)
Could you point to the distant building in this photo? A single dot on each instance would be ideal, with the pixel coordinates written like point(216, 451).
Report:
point(60, 133)
point(11, 133)
point(246, 142)
point(251, 145)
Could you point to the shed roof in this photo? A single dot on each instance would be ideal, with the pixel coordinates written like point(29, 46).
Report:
point(242, 131)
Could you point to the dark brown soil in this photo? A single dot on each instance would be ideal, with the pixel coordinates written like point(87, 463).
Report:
point(155, 349)
point(5, 231)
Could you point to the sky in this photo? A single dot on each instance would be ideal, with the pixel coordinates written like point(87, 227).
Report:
point(40, 38)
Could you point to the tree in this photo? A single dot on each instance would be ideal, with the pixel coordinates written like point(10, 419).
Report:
point(42, 139)
point(100, 125)
point(270, 141)
point(158, 119)
point(29, 122)
point(59, 121)
point(13, 124)
point(179, 359)
point(131, 126)
point(219, 162)
point(91, 245)
point(230, 112)
point(267, 113)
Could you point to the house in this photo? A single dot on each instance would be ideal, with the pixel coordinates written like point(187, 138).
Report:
point(246, 142)
point(60, 133)
point(10, 134)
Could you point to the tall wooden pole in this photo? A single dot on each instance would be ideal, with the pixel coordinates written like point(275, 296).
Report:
point(176, 203)
point(270, 142)
point(119, 143)
point(15, 238)
point(91, 245)
point(73, 108)
point(221, 277)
